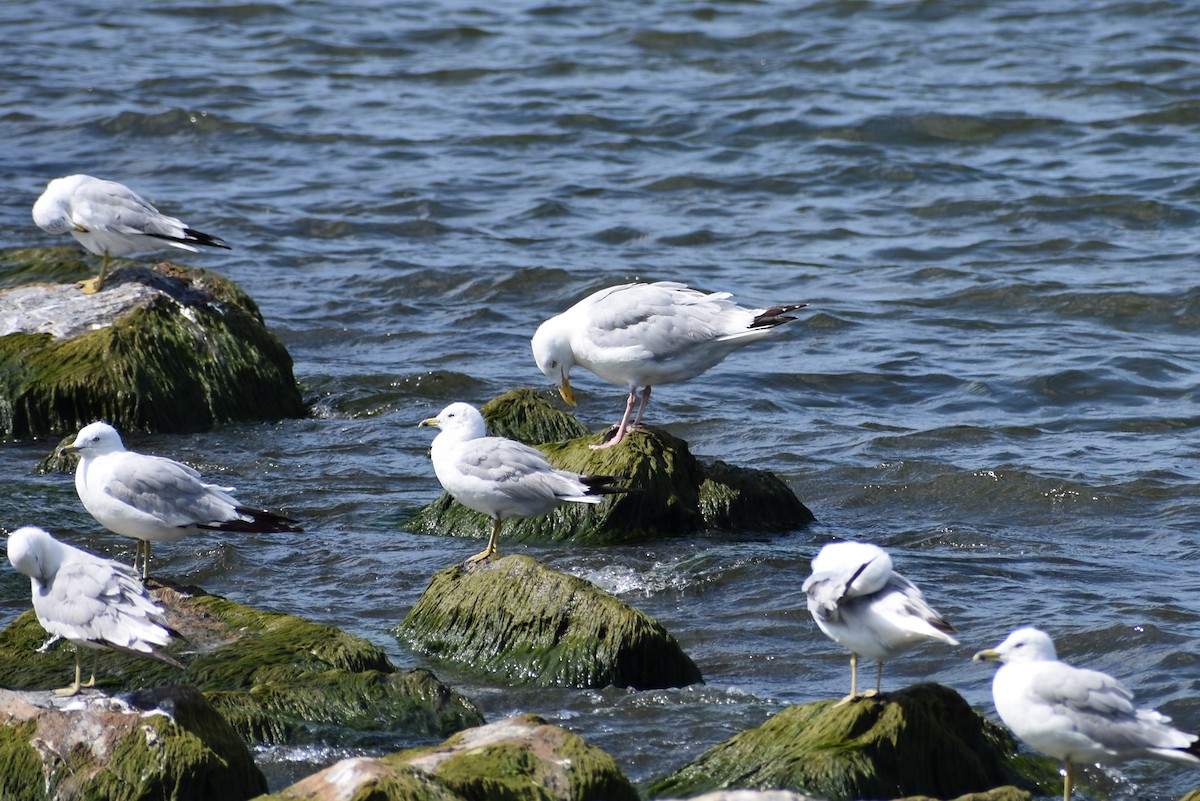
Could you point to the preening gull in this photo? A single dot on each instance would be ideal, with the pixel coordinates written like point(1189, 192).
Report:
point(640, 335)
point(1076, 715)
point(156, 499)
point(861, 603)
point(110, 219)
point(91, 601)
point(500, 477)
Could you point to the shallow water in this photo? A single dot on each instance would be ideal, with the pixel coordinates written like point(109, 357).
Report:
point(991, 209)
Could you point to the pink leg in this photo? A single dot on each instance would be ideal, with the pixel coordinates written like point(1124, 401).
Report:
point(645, 400)
point(623, 427)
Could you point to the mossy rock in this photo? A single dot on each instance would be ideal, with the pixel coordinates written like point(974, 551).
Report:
point(165, 743)
point(921, 741)
point(518, 759)
point(675, 493)
point(518, 620)
point(162, 348)
point(1194, 795)
point(276, 678)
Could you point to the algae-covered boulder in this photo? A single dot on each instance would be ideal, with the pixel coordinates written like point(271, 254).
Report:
point(276, 678)
point(165, 743)
point(921, 741)
point(676, 493)
point(516, 619)
point(160, 349)
point(518, 759)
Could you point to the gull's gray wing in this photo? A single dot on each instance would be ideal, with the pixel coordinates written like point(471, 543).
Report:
point(123, 210)
point(654, 320)
point(516, 469)
point(100, 601)
point(1102, 709)
point(167, 490)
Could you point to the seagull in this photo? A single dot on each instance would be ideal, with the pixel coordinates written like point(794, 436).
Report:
point(110, 219)
point(859, 602)
point(91, 601)
point(500, 477)
point(639, 335)
point(1077, 715)
point(156, 499)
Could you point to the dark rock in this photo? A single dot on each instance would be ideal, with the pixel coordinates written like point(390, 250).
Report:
point(518, 759)
point(921, 741)
point(161, 348)
point(276, 678)
point(676, 493)
point(165, 743)
point(514, 618)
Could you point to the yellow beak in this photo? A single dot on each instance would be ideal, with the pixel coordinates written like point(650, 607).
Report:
point(564, 389)
point(986, 655)
point(428, 421)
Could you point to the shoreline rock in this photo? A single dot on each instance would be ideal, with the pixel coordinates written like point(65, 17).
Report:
point(924, 740)
point(521, 757)
point(162, 348)
point(161, 743)
point(676, 495)
point(524, 623)
point(276, 678)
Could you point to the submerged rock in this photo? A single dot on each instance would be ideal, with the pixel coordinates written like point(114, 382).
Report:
point(514, 618)
point(676, 493)
point(924, 740)
point(161, 348)
point(276, 678)
point(165, 743)
point(519, 758)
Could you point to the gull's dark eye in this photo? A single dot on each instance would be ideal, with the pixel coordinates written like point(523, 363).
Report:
point(553, 363)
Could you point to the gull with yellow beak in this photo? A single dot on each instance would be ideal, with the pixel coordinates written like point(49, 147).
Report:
point(500, 477)
point(640, 335)
point(1075, 715)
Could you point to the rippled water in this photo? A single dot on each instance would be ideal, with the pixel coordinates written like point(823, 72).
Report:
point(991, 207)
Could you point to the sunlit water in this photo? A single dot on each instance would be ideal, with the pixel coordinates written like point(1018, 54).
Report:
point(991, 208)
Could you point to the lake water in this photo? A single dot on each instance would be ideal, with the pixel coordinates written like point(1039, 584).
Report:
point(992, 209)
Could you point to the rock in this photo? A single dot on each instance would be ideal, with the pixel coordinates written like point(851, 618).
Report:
point(519, 758)
point(1194, 795)
point(162, 348)
point(676, 493)
point(516, 619)
point(752, 795)
point(276, 678)
point(924, 740)
point(165, 743)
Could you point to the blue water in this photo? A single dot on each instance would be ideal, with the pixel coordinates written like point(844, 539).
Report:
point(991, 209)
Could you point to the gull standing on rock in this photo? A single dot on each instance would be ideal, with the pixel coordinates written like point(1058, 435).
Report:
point(639, 335)
point(1077, 715)
point(91, 601)
point(861, 603)
point(155, 499)
point(110, 219)
point(500, 477)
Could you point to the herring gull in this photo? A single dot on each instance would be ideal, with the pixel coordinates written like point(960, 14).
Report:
point(639, 335)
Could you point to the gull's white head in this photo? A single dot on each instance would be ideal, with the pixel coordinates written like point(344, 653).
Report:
point(34, 553)
point(554, 356)
point(52, 211)
point(1023, 645)
point(459, 419)
point(97, 439)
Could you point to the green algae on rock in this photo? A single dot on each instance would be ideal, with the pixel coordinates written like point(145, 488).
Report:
point(160, 349)
point(276, 678)
point(164, 743)
point(676, 494)
point(514, 618)
point(924, 740)
point(521, 758)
